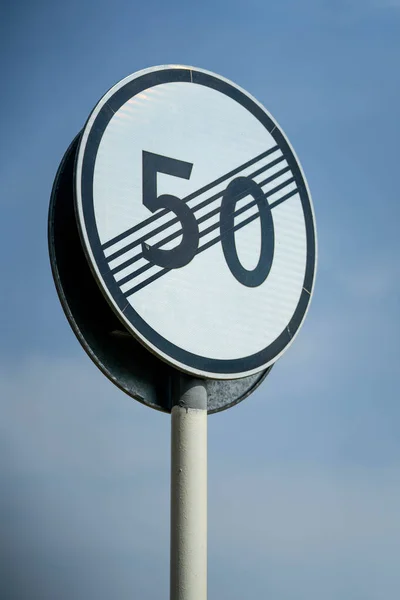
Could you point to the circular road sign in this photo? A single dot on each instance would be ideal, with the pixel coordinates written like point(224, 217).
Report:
point(126, 362)
point(196, 220)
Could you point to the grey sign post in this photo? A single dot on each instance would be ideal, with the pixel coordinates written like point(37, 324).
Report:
point(183, 247)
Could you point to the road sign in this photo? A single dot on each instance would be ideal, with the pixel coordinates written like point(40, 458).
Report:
point(114, 351)
point(196, 220)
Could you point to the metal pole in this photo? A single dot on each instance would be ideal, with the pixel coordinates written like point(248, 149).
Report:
point(189, 491)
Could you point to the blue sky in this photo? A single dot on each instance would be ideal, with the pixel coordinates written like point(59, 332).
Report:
point(304, 482)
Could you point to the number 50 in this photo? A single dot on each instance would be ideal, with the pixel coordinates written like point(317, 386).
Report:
point(184, 252)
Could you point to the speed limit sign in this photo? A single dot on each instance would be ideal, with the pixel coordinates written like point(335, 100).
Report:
point(196, 220)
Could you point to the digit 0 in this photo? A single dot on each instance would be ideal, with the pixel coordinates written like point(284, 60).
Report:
point(239, 188)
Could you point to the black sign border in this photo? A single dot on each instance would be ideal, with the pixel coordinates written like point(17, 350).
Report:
point(188, 361)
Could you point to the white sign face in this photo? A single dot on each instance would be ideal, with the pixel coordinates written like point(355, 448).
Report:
point(197, 221)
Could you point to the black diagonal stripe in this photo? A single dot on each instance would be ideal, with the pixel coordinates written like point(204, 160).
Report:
point(206, 202)
point(174, 220)
point(205, 231)
point(283, 198)
point(146, 282)
point(210, 214)
point(206, 246)
point(198, 192)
